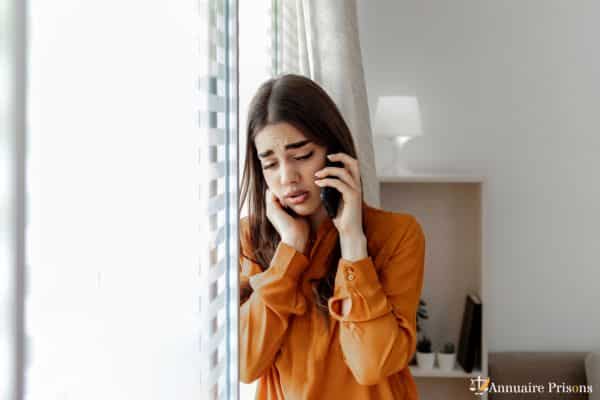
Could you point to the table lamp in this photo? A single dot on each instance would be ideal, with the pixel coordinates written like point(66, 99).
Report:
point(397, 120)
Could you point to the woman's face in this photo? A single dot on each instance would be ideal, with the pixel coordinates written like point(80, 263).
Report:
point(289, 161)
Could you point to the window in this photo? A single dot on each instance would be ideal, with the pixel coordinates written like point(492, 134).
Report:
point(133, 212)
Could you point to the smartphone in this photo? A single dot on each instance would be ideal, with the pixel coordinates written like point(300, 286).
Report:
point(331, 196)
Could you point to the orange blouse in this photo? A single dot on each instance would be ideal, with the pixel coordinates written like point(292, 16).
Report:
point(284, 340)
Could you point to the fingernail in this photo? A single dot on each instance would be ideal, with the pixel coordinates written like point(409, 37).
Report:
point(329, 156)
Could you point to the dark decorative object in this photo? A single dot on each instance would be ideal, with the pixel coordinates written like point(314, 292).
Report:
point(469, 346)
point(421, 316)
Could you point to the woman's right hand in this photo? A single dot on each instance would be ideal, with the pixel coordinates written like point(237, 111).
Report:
point(293, 231)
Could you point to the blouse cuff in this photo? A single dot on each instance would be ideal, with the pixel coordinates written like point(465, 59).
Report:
point(286, 262)
point(358, 280)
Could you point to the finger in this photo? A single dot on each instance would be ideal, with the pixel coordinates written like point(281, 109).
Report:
point(346, 191)
point(349, 162)
point(341, 173)
point(274, 200)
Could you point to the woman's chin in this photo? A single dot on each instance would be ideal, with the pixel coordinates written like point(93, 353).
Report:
point(301, 210)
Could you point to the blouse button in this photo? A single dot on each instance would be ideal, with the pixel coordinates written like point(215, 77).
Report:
point(350, 277)
point(349, 270)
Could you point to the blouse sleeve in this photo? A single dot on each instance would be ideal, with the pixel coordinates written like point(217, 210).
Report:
point(378, 335)
point(264, 316)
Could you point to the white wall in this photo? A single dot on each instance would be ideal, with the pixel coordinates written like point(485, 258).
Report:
point(509, 89)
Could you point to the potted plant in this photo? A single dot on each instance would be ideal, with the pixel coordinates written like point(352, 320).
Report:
point(421, 315)
point(447, 357)
point(425, 357)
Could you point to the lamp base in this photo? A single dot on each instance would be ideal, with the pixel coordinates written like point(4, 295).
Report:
point(390, 165)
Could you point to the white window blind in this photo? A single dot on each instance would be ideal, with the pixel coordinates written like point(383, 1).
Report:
point(219, 197)
point(12, 196)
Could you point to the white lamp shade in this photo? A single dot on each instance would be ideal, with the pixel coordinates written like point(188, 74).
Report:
point(397, 116)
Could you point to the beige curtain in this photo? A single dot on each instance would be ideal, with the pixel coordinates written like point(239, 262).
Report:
point(319, 39)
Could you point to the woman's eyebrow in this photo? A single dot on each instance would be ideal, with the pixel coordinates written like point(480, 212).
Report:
point(287, 147)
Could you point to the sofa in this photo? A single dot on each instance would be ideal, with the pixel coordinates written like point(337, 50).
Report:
point(541, 368)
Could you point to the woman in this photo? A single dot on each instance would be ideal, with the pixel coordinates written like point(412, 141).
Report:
point(328, 304)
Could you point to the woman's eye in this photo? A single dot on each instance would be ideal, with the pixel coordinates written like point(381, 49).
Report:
point(305, 157)
point(296, 158)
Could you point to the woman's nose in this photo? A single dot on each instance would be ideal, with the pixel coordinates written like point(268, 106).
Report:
point(289, 174)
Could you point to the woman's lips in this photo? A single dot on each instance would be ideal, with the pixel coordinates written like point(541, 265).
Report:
point(298, 199)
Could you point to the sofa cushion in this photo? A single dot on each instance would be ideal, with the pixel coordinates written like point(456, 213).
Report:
point(592, 372)
point(537, 368)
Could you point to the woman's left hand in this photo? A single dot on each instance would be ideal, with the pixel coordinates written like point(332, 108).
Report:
point(348, 220)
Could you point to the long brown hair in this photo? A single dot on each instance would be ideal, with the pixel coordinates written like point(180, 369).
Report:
point(302, 103)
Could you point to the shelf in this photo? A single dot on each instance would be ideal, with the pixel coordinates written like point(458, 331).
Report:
point(450, 207)
point(432, 177)
point(457, 372)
